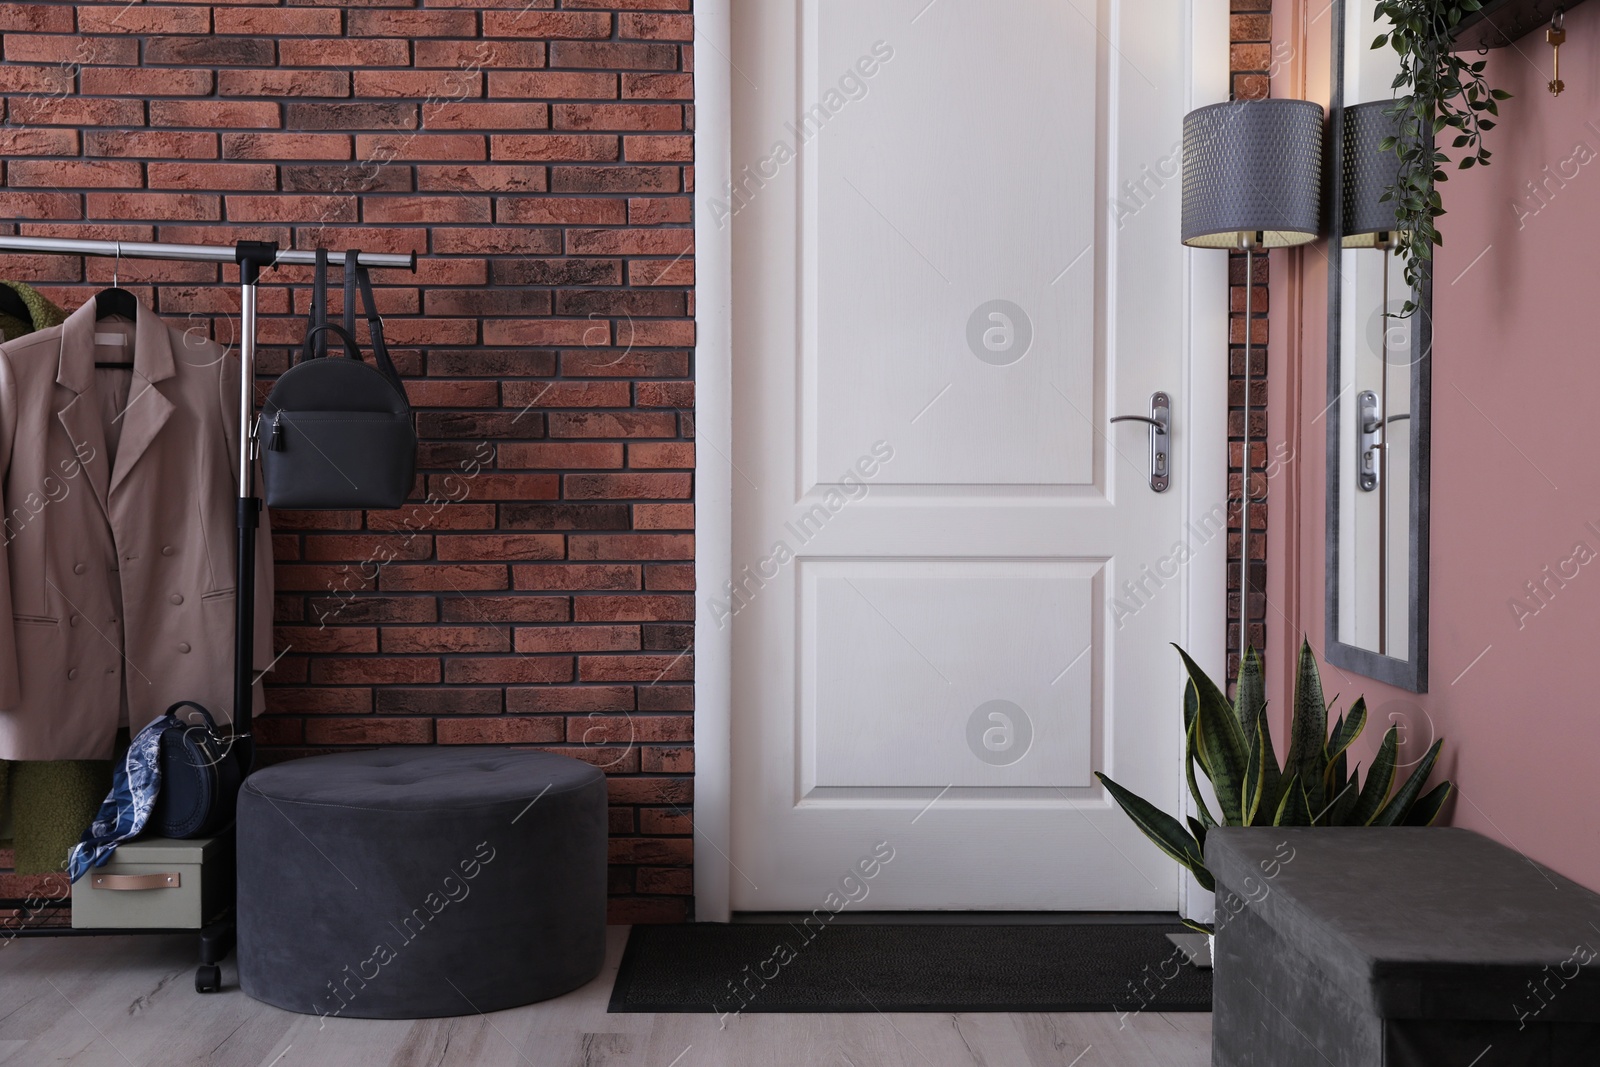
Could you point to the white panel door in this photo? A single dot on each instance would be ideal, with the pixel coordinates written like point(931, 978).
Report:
point(955, 232)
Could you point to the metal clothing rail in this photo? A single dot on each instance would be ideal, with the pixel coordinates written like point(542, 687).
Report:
point(252, 257)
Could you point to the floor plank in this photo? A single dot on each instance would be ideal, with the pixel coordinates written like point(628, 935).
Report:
point(130, 1002)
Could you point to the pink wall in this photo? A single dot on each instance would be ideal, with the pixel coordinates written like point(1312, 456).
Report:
point(1516, 475)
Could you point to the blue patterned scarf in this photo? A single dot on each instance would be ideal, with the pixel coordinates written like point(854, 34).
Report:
point(126, 809)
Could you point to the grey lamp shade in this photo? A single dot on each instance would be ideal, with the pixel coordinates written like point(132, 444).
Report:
point(1252, 174)
point(1369, 171)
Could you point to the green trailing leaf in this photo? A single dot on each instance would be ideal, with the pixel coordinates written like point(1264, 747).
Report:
point(1162, 829)
point(1427, 807)
point(1250, 697)
point(1436, 89)
point(1293, 810)
point(1222, 749)
point(1380, 779)
point(1308, 732)
point(1394, 812)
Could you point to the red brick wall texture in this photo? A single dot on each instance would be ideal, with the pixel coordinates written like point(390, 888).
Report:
point(537, 156)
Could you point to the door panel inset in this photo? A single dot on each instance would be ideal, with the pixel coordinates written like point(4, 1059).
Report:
point(947, 673)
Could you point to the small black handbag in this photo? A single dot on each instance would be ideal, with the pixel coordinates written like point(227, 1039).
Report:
point(338, 431)
point(201, 771)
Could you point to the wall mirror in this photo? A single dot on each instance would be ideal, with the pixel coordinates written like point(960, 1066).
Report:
point(1378, 383)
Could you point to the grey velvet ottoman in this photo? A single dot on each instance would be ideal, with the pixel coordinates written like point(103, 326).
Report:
point(405, 883)
point(1398, 947)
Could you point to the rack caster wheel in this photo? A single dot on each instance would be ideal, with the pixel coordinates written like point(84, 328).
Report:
point(208, 978)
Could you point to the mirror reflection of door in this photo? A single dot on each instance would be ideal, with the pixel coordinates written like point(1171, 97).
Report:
point(1377, 341)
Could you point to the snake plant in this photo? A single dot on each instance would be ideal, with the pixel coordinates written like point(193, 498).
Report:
point(1232, 744)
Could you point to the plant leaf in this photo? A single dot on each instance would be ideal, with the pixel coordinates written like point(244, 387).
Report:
point(1222, 749)
point(1308, 731)
point(1379, 780)
point(1347, 802)
point(1271, 776)
point(1293, 809)
point(1165, 832)
point(1333, 776)
point(1251, 698)
point(1426, 809)
point(1347, 729)
point(1338, 810)
point(1394, 812)
point(1198, 830)
point(1189, 759)
point(1251, 802)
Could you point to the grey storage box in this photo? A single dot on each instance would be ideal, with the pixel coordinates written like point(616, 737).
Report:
point(1398, 947)
point(157, 883)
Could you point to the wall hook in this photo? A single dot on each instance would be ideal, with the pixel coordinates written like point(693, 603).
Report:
point(1556, 35)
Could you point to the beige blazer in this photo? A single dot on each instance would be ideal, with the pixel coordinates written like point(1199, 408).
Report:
point(118, 495)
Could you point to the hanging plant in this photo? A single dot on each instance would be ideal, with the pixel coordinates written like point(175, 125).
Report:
point(1446, 91)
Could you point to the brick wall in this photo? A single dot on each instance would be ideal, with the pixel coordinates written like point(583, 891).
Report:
point(1250, 60)
point(536, 155)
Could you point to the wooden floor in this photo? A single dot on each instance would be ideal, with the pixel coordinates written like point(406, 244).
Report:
point(130, 1001)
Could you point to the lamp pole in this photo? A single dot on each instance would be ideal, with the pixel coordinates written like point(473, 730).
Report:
point(1249, 241)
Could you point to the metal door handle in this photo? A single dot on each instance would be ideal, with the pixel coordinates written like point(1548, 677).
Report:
point(1160, 423)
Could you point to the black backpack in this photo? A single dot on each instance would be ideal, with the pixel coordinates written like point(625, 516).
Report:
point(338, 431)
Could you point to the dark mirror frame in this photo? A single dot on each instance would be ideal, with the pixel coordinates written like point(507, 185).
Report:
point(1410, 673)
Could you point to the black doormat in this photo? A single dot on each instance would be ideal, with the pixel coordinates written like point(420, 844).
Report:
point(786, 967)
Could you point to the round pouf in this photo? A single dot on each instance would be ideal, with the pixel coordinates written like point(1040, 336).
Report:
point(409, 883)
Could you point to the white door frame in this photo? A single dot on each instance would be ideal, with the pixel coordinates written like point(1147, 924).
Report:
point(1203, 407)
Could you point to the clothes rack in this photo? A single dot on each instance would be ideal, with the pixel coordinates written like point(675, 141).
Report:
point(251, 257)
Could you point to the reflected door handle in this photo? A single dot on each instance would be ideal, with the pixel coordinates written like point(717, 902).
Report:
point(1369, 438)
point(1160, 423)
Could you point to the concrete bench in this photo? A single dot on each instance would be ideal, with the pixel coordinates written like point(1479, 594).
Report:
point(1398, 947)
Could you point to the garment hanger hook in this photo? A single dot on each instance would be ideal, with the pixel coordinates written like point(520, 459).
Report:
point(116, 266)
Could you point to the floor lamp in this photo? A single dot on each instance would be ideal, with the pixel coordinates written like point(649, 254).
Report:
point(1367, 220)
point(1252, 180)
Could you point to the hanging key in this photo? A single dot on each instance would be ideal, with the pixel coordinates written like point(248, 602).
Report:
point(1556, 35)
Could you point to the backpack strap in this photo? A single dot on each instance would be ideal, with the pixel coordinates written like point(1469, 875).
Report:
point(357, 276)
point(204, 714)
point(315, 343)
point(352, 258)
